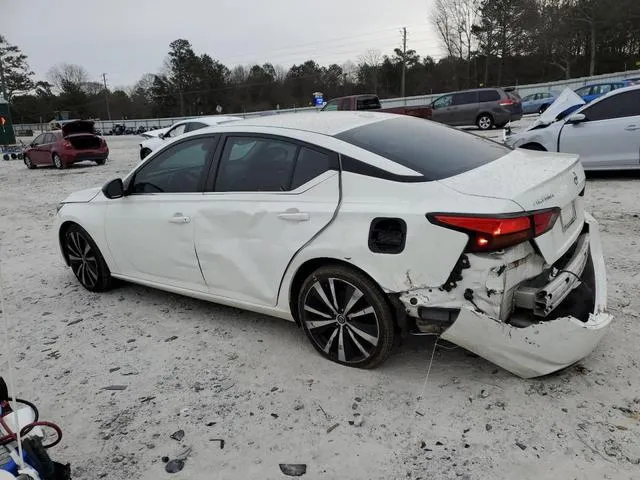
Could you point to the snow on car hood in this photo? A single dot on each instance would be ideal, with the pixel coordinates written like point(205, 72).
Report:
point(567, 99)
point(82, 196)
point(154, 133)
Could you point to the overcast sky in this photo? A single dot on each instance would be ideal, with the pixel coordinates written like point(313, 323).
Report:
point(127, 38)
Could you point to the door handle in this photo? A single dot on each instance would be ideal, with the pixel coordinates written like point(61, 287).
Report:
point(294, 216)
point(179, 218)
point(631, 128)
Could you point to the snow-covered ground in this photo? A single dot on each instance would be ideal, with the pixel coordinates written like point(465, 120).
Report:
point(256, 383)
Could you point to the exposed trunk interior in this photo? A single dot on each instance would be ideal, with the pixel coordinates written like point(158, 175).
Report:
point(84, 142)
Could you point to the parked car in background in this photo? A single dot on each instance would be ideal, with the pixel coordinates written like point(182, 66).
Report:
point(156, 138)
point(372, 102)
point(591, 92)
point(537, 102)
point(605, 132)
point(484, 107)
point(359, 226)
point(75, 142)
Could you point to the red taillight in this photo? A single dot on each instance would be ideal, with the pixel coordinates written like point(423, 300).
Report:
point(490, 233)
point(507, 102)
point(67, 144)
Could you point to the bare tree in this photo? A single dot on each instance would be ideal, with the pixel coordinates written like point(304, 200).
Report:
point(65, 75)
point(454, 20)
point(370, 63)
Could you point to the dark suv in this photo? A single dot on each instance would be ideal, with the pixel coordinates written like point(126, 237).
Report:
point(484, 107)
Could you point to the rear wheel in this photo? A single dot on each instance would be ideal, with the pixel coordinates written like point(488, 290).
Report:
point(346, 316)
point(101, 162)
point(27, 161)
point(57, 162)
point(87, 263)
point(484, 121)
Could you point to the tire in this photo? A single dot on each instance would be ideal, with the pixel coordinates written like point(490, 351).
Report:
point(327, 317)
point(484, 121)
point(144, 153)
point(101, 162)
point(85, 259)
point(57, 162)
point(27, 161)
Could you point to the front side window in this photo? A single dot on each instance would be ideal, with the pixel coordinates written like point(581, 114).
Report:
point(528, 98)
point(443, 102)
point(192, 126)
point(332, 106)
point(178, 169)
point(177, 130)
point(625, 104)
point(255, 164)
point(39, 140)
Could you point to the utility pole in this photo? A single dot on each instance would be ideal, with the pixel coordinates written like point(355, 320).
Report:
point(404, 59)
point(106, 95)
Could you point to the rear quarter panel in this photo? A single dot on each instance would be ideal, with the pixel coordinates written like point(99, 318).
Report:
point(430, 251)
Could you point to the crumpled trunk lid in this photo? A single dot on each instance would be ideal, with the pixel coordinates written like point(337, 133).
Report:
point(534, 181)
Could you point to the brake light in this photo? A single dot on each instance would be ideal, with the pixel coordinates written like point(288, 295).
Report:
point(67, 144)
point(488, 233)
point(507, 102)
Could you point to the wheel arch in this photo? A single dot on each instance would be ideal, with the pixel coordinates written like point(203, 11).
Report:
point(61, 233)
point(310, 265)
point(533, 146)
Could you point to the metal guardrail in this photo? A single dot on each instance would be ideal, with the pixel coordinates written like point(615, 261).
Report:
point(523, 90)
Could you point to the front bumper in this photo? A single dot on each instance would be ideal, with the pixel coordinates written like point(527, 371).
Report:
point(549, 345)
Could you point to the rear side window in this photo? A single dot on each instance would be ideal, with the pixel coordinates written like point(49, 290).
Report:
point(434, 150)
point(489, 96)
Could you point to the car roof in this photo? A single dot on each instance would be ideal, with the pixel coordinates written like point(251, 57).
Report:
point(324, 123)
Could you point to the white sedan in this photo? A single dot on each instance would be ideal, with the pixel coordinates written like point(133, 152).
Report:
point(154, 139)
point(359, 226)
point(605, 133)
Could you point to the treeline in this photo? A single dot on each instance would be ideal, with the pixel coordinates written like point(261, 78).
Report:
point(486, 42)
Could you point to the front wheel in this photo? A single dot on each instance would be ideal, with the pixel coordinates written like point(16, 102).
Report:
point(485, 121)
point(85, 259)
point(346, 317)
point(27, 161)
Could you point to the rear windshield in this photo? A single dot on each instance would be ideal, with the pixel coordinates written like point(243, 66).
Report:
point(367, 103)
point(434, 150)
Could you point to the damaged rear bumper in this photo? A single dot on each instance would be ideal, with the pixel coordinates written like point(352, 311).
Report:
point(547, 345)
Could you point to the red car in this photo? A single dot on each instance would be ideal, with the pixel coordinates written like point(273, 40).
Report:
point(75, 142)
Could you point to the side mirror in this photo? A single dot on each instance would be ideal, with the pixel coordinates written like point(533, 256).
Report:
point(113, 189)
point(576, 118)
point(33, 144)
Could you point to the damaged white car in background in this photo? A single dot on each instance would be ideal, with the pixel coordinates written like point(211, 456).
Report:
point(605, 133)
point(359, 226)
